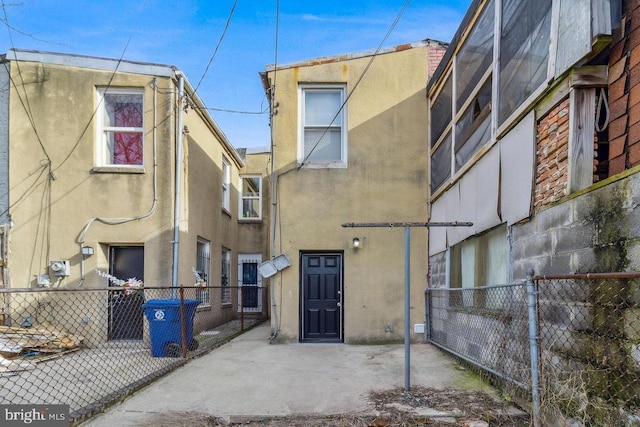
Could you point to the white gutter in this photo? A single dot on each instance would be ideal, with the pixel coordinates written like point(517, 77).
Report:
point(178, 184)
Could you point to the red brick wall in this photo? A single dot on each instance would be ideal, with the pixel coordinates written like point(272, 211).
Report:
point(624, 93)
point(434, 56)
point(552, 155)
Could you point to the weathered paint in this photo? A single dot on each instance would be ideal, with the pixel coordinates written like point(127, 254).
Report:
point(58, 188)
point(386, 180)
point(4, 142)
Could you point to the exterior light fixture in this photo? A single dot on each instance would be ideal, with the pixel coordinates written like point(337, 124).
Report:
point(87, 251)
point(356, 242)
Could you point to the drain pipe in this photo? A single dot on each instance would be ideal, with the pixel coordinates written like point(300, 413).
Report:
point(272, 217)
point(178, 185)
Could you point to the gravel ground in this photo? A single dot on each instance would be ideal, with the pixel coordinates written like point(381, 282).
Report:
point(419, 407)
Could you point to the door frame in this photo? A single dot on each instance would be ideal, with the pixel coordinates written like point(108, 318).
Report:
point(125, 315)
point(301, 319)
point(251, 257)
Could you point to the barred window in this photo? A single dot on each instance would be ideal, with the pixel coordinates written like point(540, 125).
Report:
point(203, 261)
point(225, 280)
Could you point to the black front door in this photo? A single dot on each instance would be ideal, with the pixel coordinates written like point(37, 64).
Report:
point(321, 297)
point(125, 311)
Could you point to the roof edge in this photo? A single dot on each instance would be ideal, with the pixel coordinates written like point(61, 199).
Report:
point(91, 62)
point(355, 55)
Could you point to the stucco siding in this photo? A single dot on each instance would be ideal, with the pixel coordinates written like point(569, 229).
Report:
point(4, 142)
point(385, 180)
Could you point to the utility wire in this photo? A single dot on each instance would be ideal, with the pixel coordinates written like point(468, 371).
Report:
point(233, 8)
point(95, 111)
point(264, 111)
point(25, 101)
point(364, 72)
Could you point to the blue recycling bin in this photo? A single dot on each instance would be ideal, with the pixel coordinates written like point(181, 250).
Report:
point(163, 316)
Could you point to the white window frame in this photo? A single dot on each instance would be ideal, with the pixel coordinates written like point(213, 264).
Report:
point(302, 90)
point(493, 73)
point(102, 152)
point(226, 184)
point(476, 267)
point(249, 258)
point(203, 254)
point(225, 277)
point(243, 198)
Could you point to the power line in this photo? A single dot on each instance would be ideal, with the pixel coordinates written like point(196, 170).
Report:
point(95, 111)
point(233, 8)
point(264, 111)
point(391, 28)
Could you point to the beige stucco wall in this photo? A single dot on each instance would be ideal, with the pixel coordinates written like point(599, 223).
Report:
point(203, 215)
point(253, 235)
point(50, 206)
point(386, 180)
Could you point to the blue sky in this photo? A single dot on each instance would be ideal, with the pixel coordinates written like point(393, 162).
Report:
point(185, 33)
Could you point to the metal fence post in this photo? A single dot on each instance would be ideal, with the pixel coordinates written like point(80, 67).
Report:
point(533, 347)
point(241, 305)
point(427, 311)
point(183, 325)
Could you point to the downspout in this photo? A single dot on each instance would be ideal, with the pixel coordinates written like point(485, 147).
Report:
point(178, 186)
point(272, 215)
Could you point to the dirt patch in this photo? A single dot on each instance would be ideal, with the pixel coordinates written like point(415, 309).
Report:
point(397, 407)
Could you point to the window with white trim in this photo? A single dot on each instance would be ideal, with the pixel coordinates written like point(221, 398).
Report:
point(480, 261)
point(203, 262)
point(226, 183)
point(476, 97)
point(250, 197)
point(323, 134)
point(120, 127)
point(225, 279)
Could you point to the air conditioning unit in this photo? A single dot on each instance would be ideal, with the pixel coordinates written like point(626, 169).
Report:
point(60, 268)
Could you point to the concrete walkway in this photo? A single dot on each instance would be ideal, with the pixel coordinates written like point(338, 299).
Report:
point(250, 377)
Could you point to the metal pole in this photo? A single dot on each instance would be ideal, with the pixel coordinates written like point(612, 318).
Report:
point(407, 307)
point(407, 256)
point(533, 347)
point(427, 312)
point(241, 308)
point(178, 184)
point(183, 325)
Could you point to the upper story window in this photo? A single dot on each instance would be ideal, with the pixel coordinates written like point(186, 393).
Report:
point(226, 183)
point(120, 136)
point(323, 134)
point(524, 52)
point(462, 116)
point(250, 197)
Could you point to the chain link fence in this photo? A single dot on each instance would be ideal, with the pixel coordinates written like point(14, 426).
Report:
point(589, 333)
point(87, 348)
point(486, 326)
point(566, 346)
